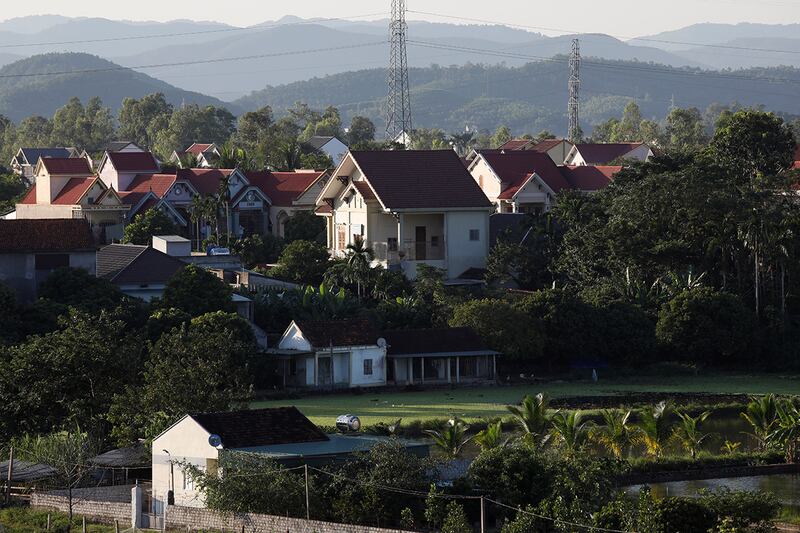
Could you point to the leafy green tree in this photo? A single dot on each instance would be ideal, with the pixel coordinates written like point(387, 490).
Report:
point(628, 128)
point(75, 287)
point(497, 321)
point(685, 129)
point(683, 515)
point(524, 256)
point(435, 507)
point(231, 156)
point(12, 189)
point(162, 321)
point(743, 509)
point(255, 132)
point(517, 474)
point(146, 225)
point(302, 262)
point(66, 377)
point(197, 292)
point(501, 136)
point(491, 437)
point(706, 326)
point(456, 519)
point(141, 119)
point(257, 249)
point(304, 226)
point(688, 433)
point(452, 438)
point(570, 430)
point(361, 132)
point(787, 430)
point(192, 123)
point(91, 127)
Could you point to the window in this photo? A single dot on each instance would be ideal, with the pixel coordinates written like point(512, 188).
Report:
point(434, 241)
point(51, 261)
point(367, 367)
point(474, 234)
point(341, 237)
point(188, 481)
point(391, 242)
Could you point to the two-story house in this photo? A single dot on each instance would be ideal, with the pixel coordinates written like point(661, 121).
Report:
point(410, 207)
point(607, 153)
point(24, 161)
point(204, 155)
point(67, 188)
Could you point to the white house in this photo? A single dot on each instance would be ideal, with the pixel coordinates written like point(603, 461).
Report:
point(119, 169)
point(410, 207)
point(606, 153)
point(330, 146)
point(24, 161)
point(205, 155)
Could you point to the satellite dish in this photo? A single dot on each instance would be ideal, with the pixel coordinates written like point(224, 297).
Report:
point(381, 343)
point(215, 441)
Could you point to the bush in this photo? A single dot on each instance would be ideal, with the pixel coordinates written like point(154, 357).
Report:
point(677, 464)
point(742, 507)
point(516, 475)
point(683, 515)
point(302, 262)
point(702, 325)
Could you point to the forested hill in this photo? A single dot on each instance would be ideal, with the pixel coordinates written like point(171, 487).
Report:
point(534, 97)
point(23, 94)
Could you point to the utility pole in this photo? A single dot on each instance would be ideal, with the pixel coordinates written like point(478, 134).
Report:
point(398, 117)
point(574, 131)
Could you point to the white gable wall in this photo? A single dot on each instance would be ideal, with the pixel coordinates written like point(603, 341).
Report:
point(462, 253)
point(293, 339)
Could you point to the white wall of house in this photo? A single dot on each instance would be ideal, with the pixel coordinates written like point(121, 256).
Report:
point(378, 357)
point(27, 211)
point(185, 441)
point(486, 179)
point(462, 252)
point(293, 339)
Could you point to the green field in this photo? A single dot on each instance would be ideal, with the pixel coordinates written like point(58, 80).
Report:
point(486, 402)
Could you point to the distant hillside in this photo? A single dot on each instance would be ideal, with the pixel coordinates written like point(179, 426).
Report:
point(747, 52)
point(710, 33)
point(23, 94)
point(534, 97)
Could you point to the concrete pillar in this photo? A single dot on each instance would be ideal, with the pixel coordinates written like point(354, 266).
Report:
point(458, 370)
point(422, 367)
point(449, 376)
point(136, 507)
point(410, 365)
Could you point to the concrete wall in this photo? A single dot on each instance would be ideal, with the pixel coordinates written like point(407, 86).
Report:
point(462, 253)
point(28, 211)
point(378, 356)
point(18, 271)
point(97, 510)
point(486, 180)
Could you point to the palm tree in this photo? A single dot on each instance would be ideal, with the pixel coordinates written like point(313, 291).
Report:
point(689, 434)
point(571, 431)
point(762, 415)
point(359, 258)
point(654, 428)
point(452, 438)
point(532, 417)
point(787, 431)
point(203, 209)
point(491, 437)
point(616, 435)
point(224, 202)
point(233, 157)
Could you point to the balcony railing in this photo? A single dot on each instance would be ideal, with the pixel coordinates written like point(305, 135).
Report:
point(409, 250)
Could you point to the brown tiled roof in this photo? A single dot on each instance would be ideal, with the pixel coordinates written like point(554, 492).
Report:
point(408, 179)
point(589, 178)
point(45, 235)
point(515, 144)
point(604, 153)
point(432, 341)
point(30, 196)
point(545, 145)
point(322, 334)
point(283, 188)
point(76, 166)
point(197, 148)
point(142, 162)
point(204, 180)
point(260, 427)
point(73, 191)
point(515, 168)
point(128, 263)
point(363, 188)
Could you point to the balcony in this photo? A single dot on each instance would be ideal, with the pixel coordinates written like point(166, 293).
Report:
point(409, 250)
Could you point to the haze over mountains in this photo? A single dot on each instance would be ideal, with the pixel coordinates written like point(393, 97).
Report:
point(278, 62)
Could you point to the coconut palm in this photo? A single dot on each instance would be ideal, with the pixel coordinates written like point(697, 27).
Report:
point(359, 258)
point(452, 439)
point(616, 434)
point(491, 437)
point(655, 428)
point(762, 415)
point(688, 432)
point(570, 430)
point(532, 417)
point(787, 430)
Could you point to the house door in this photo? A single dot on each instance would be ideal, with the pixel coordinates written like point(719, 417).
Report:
point(421, 243)
point(325, 371)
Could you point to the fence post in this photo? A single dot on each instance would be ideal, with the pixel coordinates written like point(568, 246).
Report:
point(48, 521)
point(83, 524)
point(116, 526)
point(308, 504)
point(483, 514)
point(136, 507)
point(10, 474)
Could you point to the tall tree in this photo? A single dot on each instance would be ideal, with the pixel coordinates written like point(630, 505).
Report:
point(141, 119)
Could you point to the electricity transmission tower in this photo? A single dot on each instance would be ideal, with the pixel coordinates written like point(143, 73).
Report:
point(574, 132)
point(398, 120)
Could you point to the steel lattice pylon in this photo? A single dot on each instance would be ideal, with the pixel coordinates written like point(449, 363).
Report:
point(398, 119)
point(574, 130)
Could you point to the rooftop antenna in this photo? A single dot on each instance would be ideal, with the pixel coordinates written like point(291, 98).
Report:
point(398, 120)
point(574, 132)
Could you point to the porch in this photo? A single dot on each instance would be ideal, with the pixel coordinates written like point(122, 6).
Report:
point(438, 370)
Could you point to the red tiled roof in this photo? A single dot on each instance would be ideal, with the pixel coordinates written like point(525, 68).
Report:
point(407, 179)
point(589, 178)
point(197, 149)
point(515, 167)
point(205, 180)
point(603, 153)
point(73, 191)
point(45, 235)
point(30, 196)
point(363, 188)
point(142, 162)
point(797, 157)
point(324, 210)
point(67, 166)
point(515, 144)
point(283, 188)
point(159, 184)
point(353, 332)
point(545, 145)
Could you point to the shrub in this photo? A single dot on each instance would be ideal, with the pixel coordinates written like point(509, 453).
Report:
point(740, 506)
point(516, 475)
point(683, 515)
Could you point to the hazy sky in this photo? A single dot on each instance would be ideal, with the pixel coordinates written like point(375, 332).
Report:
point(617, 17)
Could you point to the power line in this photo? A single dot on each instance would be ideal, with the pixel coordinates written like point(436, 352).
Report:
point(645, 39)
point(558, 520)
point(190, 33)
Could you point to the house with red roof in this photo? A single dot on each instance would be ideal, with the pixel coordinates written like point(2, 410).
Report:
point(528, 181)
point(30, 250)
point(797, 157)
point(606, 153)
point(203, 155)
point(67, 188)
point(118, 169)
point(411, 207)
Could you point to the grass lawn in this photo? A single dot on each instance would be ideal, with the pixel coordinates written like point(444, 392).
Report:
point(486, 402)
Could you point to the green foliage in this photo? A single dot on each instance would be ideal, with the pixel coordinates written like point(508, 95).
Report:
point(141, 119)
point(655, 428)
point(258, 249)
point(435, 507)
point(685, 129)
point(75, 287)
point(12, 189)
point(570, 430)
point(498, 322)
point(66, 377)
point(162, 321)
point(517, 475)
point(688, 432)
point(361, 131)
point(90, 127)
point(305, 226)
point(532, 417)
point(491, 437)
point(303, 262)
point(524, 522)
point(523, 256)
point(197, 292)
point(705, 325)
point(762, 415)
point(683, 515)
point(191, 122)
point(741, 508)
point(145, 225)
point(452, 438)
point(617, 432)
point(456, 520)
